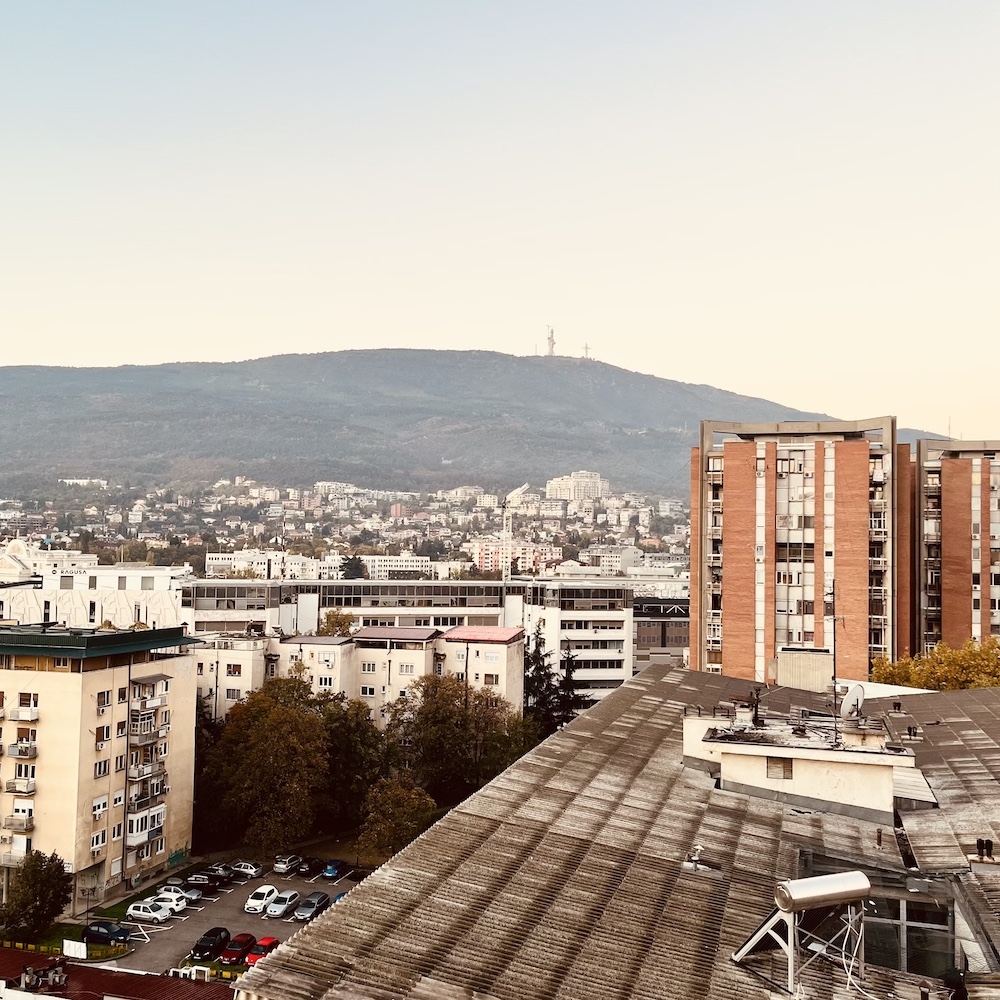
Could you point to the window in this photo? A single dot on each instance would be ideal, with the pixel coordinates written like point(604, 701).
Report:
point(367, 691)
point(326, 682)
point(119, 798)
point(121, 583)
point(103, 699)
point(234, 670)
point(160, 844)
point(92, 583)
point(121, 728)
point(201, 669)
point(103, 733)
point(60, 661)
point(120, 762)
point(146, 583)
point(233, 694)
point(47, 611)
point(65, 583)
point(460, 675)
point(116, 831)
point(100, 806)
point(27, 699)
point(912, 935)
point(460, 656)
point(102, 768)
point(491, 657)
point(98, 840)
point(406, 668)
point(144, 852)
point(491, 680)
point(779, 767)
point(122, 695)
point(368, 668)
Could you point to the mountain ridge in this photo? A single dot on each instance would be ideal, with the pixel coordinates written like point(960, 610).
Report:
point(390, 417)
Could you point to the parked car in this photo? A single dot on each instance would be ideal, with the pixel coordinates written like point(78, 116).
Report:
point(282, 904)
point(235, 952)
point(312, 906)
point(285, 863)
point(186, 892)
point(339, 897)
point(147, 913)
point(210, 945)
point(309, 866)
point(223, 873)
point(175, 904)
point(259, 899)
point(334, 869)
point(105, 932)
point(247, 869)
point(206, 881)
point(264, 946)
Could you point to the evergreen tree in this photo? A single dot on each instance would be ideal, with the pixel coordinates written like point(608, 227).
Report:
point(540, 685)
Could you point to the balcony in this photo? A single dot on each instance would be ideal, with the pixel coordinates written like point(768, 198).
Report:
point(23, 750)
point(142, 739)
point(878, 531)
point(23, 715)
point(21, 786)
point(11, 859)
point(148, 704)
point(715, 559)
point(135, 839)
point(22, 823)
point(139, 771)
point(878, 562)
point(144, 802)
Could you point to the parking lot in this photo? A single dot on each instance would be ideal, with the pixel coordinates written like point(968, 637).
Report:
point(169, 943)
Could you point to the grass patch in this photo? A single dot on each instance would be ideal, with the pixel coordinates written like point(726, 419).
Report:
point(116, 911)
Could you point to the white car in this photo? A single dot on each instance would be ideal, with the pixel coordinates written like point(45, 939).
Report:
point(247, 869)
point(175, 904)
point(147, 913)
point(286, 863)
point(259, 899)
point(188, 893)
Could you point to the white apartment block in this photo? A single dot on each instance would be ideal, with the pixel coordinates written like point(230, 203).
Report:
point(613, 560)
point(273, 564)
point(405, 566)
point(99, 757)
point(581, 485)
point(377, 664)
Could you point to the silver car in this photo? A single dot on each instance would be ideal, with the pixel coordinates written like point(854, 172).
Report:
point(282, 904)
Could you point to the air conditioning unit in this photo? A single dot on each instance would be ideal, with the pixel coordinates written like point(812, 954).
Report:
point(760, 473)
point(101, 709)
point(5, 840)
point(782, 475)
point(165, 789)
point(99, 746)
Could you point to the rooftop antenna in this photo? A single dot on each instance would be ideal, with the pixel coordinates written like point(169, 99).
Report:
point(586, 351)
point(850, 707)
point(552, 343)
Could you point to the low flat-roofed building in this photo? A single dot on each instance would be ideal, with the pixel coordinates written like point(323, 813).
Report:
point(607, 863)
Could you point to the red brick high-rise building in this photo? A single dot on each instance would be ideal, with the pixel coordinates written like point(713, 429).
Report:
point(798, 529)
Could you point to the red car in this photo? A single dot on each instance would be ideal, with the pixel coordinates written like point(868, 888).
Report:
point(237, 950)
point(263, 947)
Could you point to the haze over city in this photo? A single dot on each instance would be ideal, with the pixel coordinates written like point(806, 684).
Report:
point(784, 200)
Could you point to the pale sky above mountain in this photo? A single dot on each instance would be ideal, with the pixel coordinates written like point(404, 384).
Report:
point(793, 200)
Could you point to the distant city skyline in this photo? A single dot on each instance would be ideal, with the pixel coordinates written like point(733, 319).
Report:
point(797, 202)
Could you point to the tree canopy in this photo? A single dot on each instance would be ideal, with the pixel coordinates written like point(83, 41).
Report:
point(541, 686)
point(396, 811)
point(336, 622)
point(40, 889)
point(353, 569)
point(974, 665)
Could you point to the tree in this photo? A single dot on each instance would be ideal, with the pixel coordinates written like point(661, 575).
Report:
point(976, 664)
point(355, 752)
point(453, 738)
point(336, 622)
point(40, 889)
point(540, 686)
point(568, 702)
point(396, 811)
point(353, 569)
point(268, 768)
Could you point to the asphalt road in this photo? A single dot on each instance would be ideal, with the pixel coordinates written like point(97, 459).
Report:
point(169, 943)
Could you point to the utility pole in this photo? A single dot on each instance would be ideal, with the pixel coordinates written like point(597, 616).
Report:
point(834, 618)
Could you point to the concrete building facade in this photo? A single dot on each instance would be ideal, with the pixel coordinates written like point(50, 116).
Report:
point(800, 538)
point(99, 761)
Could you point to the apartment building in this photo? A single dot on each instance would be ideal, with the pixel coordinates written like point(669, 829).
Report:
point(800, 540)
point(229, 667)
point(272, 564)
point(405, 566)
point(378, 663)
point(526, 557)
point(957, 542)
point(99, 761)
point(580, 485)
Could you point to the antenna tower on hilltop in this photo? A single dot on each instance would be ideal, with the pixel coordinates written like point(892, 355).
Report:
point(552, 343)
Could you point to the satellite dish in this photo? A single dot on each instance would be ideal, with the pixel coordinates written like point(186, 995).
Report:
point(850, 707)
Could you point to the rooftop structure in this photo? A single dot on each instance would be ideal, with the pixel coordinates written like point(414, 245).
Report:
point(605, 864)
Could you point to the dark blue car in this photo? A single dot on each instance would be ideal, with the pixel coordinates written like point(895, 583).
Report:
point(334, 869)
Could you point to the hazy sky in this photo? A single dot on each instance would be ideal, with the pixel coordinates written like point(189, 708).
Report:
point(797, 200)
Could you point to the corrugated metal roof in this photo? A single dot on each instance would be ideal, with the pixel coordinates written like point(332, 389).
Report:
point(400, 634)
point(565, 877)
